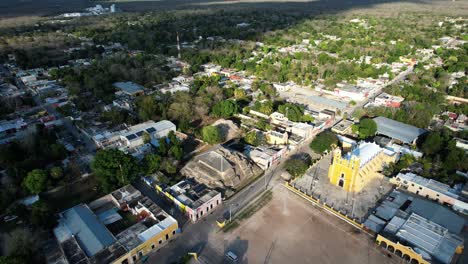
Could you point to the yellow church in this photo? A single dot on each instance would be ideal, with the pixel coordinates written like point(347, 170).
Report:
point(355, 170)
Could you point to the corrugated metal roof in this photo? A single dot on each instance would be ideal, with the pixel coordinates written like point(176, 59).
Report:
point(129, 87)
point(430, 237)
point(327, 102)
point(438, 214)
point(91, 234)
point(397, 130)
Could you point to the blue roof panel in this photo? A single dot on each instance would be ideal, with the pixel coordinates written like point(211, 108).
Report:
point(90, 233)
point(397, 130)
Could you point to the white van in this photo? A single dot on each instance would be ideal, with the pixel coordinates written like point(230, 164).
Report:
point(231, 256)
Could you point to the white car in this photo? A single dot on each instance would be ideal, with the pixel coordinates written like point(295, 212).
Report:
point(232, 257)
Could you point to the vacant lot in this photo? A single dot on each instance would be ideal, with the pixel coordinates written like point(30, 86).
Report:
point(290, 230)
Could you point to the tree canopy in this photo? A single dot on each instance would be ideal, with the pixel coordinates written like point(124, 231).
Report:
point(212, 134)
point(366, 128)
point(254, 138)
point(36, 181)
point(297, 166)
point(114, 169)
point(323, 142)
point(226, 108)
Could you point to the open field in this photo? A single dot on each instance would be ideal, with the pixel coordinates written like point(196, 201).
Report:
point(15, 8)
point(290, 230)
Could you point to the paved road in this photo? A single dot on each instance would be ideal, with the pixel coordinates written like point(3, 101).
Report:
point(195, 237)
point(90, 147)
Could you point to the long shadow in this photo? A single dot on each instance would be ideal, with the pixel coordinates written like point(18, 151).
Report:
point(11, 8)
point(239, 248)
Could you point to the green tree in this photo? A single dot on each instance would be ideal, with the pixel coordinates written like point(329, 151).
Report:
point(42, 215)
point(432, 144)
point(173, 138)
point(297, 167)
point(114, 169)
point(148, 108)
point(152, 163)
point(176, 151)
point(226, 108)
point(293, 112)
point(253, 138)
point(56, 173)
point(169, 167)
point(36, 181)
point(366, 128)
point(239, 93)
point(146, 137)
point(265, 107)
point(163, 146)
point(12, 260)
point(212, 134)
point(323, 142)
point(57, 151)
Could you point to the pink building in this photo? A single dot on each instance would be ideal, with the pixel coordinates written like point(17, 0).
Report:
point(195, 199)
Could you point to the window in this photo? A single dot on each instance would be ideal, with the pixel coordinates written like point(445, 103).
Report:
point(152, 246)
point(167, 236)
point(412, 184)
point(211, 206)
point(207, 209)
point(134, 258)
point(160, 241)
point(125, 261)
point(173, 232)
point(201, 213)
point(405, 182)
point(420, 188)
point(140, 254)
point(437, 195)
point(217, 202)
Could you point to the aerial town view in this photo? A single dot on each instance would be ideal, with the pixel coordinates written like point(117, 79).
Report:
point(233, 131)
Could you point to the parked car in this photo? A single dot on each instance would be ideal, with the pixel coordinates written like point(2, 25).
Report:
point(231, 257)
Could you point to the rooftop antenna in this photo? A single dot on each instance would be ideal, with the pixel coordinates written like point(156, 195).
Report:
point(178, 46)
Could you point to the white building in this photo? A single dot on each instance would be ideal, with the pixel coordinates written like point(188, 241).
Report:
point(133, 137)
point(385, 99)
point(431, 189)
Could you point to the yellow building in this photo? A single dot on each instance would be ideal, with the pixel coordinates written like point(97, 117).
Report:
point(119, 228)
point(355, 170)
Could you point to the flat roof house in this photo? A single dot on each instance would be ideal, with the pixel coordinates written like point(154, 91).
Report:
point(134, 137)
point(196, 200)
point(343, 127)
point(120, 227)
point(397, 130)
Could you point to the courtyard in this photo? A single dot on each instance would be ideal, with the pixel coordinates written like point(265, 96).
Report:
point(315, 182)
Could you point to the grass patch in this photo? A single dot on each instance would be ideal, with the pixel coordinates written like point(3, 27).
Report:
point(82, 191)
point(249, 211)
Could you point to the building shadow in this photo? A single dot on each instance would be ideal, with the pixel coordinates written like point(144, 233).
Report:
point(239, 247)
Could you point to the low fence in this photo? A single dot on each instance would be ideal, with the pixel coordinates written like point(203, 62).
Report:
point(326, 207)
point(407, 253)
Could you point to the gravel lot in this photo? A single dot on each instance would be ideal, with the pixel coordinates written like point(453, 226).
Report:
point(291, 230)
